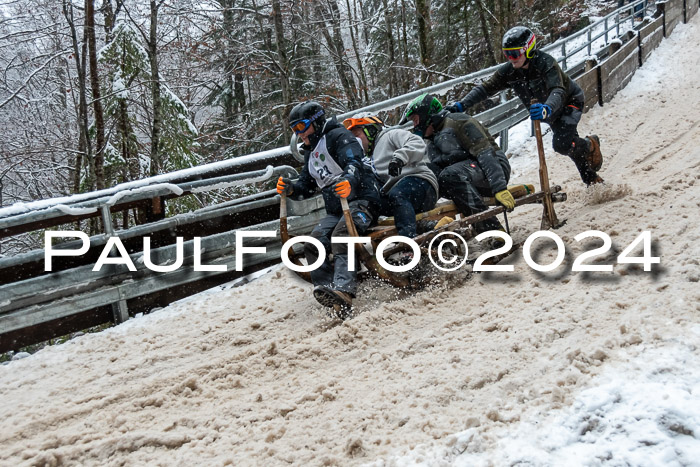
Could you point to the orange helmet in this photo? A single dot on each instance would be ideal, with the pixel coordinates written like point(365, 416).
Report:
point(371, 126)
point(361, 120)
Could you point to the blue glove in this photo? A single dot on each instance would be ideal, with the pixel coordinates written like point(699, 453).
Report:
point(455, 107)
point(540, 111)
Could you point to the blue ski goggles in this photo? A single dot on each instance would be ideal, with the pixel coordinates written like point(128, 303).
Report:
point(300, 126)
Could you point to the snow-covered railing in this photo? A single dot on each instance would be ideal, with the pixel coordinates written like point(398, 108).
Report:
point(589, 38)
point(26, 216)
point(77, 290)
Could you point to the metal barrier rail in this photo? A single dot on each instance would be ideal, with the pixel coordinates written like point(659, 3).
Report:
point(80, 289)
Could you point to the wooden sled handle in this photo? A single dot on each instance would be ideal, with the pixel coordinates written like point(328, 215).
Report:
point(284, 236)
point(549, 217)
point(369, 260)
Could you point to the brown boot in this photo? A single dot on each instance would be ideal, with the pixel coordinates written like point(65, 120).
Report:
point(594, 157)
point(341, 302)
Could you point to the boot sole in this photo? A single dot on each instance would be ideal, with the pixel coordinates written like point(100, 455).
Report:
point(331, 300)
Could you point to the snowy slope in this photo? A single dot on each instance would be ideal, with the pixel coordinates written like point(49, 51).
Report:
point(499, 368)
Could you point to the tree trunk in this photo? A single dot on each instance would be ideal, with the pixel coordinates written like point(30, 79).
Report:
point(282, 66)
point(155, 91)
point(405, 82)
point(96, 95)
point(424, 27)
point(80, 65)
point(485, 31)
point(354, 36)
point(231, 103)
point(238, 91)
point(391, 46)
point(467, 42)
point(110, 14)
point(337, 49)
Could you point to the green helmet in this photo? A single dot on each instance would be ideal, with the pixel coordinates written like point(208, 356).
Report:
point(425, 106)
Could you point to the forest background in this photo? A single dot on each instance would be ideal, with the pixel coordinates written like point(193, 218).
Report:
point(97, 93)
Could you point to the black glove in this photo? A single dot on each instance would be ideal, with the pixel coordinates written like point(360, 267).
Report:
point(395, 166)
point(455, 107)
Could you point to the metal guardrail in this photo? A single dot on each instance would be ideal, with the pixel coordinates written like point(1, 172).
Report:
point(79, 289)
point(43, 298)
point(563, 51)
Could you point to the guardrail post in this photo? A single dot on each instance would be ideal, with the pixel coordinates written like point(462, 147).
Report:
point(504, 132)
point(120, 311)
point(606, 30)
point(617, 24)
point(563, 54)
point(589, 41)
point(661, 11)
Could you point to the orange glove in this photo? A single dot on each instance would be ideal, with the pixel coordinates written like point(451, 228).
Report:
point(284, 186)
point(342, 189)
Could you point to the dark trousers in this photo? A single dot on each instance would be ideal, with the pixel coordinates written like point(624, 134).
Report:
point(566, 141)
point(465, 184)
point(334, 273)
point(408, 196)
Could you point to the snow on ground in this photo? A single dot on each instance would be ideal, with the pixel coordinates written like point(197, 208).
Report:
point(559, 368)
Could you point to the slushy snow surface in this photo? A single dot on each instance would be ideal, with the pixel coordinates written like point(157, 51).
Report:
point(502, 368)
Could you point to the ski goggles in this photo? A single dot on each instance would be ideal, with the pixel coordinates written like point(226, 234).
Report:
point(514, 53)
point(300, 126)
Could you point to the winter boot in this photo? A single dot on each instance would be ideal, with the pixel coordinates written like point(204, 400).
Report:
point(442, 222)
point(425, 225)
point(491, 243)
point(341, 302)
point(594, 157)
point(488, 224)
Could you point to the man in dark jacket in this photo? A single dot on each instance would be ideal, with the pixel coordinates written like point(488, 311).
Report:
point(333, 164)
point(469, 162)
point(533, 74)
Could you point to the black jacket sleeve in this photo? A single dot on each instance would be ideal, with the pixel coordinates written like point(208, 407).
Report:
point(556, 82)
point(496, 82)
point(446, 149)
point(473, 97)
point(495, 175)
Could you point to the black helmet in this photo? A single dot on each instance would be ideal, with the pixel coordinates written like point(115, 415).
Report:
point(425, 106)
point(517, 41)
point(306, 114)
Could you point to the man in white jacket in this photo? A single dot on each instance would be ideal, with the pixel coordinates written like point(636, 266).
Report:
point(398, 158)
